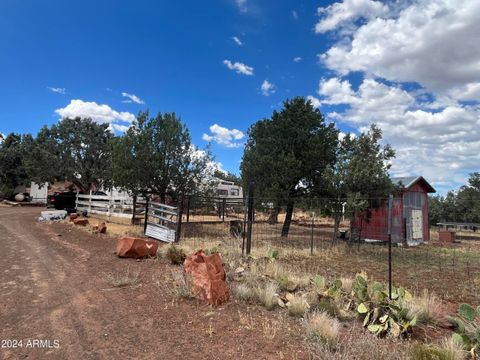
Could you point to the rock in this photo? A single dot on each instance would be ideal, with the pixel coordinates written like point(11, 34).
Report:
point(73, 216)
point(52, 215)
point(131, 247)
point(239, 270)
point(80, 222)
point(19, 197)
point(208, 277)
point(100, 228)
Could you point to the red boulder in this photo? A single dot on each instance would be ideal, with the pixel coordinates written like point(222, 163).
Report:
point(208, 277)
point(80, 222)
point(131, 247)
point(100, 228)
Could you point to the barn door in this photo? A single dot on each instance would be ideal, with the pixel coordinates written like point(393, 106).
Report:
point(417, 228)
point(414, 227)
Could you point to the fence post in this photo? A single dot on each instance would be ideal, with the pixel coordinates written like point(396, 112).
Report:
point(188, 208)
point(224, 204)
point(250, 218)
point(244, 231)
point(110, 204)
point(146, 216)
point(390, 204)
point(90, 203)
point(311, 237)
point(179, 221)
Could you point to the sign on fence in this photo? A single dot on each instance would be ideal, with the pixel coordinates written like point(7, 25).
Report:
point(161, 222)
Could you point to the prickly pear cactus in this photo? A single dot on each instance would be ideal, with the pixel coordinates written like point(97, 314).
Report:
point(467, 329)
point(381, 315)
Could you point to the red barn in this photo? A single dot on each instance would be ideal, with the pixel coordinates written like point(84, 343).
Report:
point(409, 214)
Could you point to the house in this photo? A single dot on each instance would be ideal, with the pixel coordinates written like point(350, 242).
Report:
point(409, 214)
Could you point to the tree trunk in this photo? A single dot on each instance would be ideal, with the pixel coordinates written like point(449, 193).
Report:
point(350, 238)
point(337, 218)
point(273, 217)
point(288, 218)
point(134, 210)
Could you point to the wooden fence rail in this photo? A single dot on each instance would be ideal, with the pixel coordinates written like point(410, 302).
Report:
point(110, 206)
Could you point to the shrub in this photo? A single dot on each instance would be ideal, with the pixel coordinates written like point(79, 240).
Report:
point(267, 295)
point(123, 280)
point(272, 254)
point(425, 308)
point(328, 305)
point(176, 255)
point(243, 292)
point(318, 283)
point(322, 328)
point(183, 289)
point(448, 350)
point(297, 306)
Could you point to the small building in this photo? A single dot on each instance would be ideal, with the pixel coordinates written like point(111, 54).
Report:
point(409, 214)
point(227, 189)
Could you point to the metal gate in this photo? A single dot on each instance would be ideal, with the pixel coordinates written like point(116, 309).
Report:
point(162, 222)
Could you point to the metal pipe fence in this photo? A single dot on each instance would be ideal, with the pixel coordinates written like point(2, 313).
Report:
point(451, 270)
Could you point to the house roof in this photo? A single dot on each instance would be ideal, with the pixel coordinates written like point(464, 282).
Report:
point(409, 181)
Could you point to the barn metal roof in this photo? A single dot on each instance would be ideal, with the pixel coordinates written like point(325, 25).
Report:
point(409, 181)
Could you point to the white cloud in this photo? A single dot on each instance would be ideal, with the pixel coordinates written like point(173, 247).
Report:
point(239, 67)
point(430, 42)
point(132, 98)
point(237, 40)
point(297, 59)
point(267, 88)
point(295, 15)
point(440, 145)
point(98, 113)
point(347, 11)
point(315, 101)
point(223, 136)
point(242, 5)
point(57, 90)
point(118, 127)
point(430, 46)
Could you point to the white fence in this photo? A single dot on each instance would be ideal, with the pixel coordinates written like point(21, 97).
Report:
point(108, 205)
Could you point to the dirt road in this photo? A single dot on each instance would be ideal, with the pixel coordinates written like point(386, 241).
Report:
point(56, 302)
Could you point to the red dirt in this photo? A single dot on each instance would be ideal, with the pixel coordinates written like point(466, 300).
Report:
point(54, 287)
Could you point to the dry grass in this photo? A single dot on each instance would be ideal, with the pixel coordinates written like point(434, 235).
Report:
point(267, 295)
point(358, 345)
point(270, 329)
point(346, 284)
point(425, 307)
point(243, 292)
point(322, 328)
point(123, 280)
point(447, 350)
point(297, 306)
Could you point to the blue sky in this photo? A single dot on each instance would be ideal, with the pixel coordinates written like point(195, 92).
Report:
point(115, 58)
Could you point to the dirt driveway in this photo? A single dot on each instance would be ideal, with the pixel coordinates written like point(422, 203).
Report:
point(56, 302)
